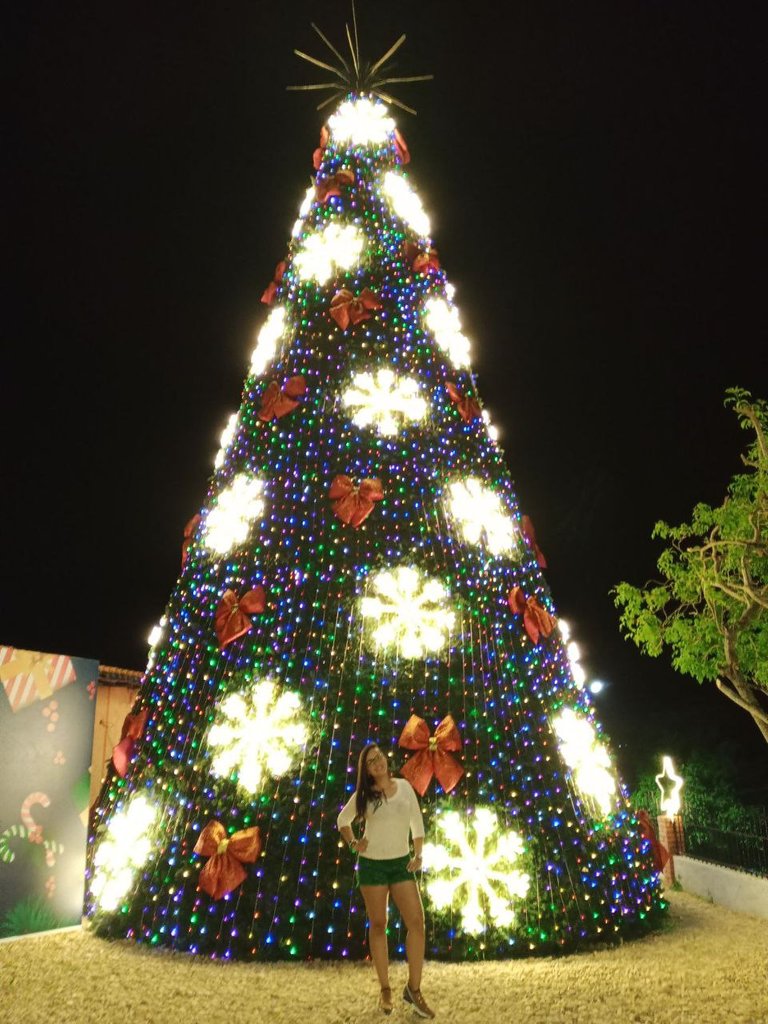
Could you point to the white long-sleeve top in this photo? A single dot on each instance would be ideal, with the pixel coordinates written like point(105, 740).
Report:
point(387, 826)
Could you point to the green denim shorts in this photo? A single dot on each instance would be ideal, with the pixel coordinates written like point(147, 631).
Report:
point(383, 872)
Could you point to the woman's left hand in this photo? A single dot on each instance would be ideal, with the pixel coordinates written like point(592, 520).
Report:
point(414, 864)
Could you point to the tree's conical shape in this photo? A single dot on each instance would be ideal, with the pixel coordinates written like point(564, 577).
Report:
point(361, 559)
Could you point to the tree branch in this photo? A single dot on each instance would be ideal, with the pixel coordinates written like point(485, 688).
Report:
point(754, 711)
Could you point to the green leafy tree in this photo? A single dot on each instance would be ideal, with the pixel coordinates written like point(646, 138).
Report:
point(711, 607)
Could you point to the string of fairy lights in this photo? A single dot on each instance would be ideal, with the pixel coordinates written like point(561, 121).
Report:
point(390, 597)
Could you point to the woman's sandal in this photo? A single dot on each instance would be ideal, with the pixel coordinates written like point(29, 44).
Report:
point(385, 1001)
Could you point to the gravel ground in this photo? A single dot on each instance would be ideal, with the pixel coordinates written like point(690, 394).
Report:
point(710, 966)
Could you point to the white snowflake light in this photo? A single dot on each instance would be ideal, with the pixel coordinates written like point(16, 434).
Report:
point(574, 654)
point(124, 849)
point(493, 431)
point(406, 202)
point(266, 342)
point(256, 733)
point(481, 515)
point(229, 522)
point(384, 401)
point(586, 757)
point(443, 320)
point(361, 122)
point(473, 868)
point(409, 612)
point(304, 209)
point(226, 439)
point(335, 248)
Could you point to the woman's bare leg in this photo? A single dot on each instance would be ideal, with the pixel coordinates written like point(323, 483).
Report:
point(376, 899)
point(408, 901)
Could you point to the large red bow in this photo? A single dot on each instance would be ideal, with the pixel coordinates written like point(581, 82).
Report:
point(353, 504)
point(468, 408)
point(317, 156)
point(529, 533)
point(433, 757)
point(333, 184)
point(226, 856)
point(659, 852)
point(189, 534)
point(401, 148)
point(276, 402)
point(132, 731)
point(347, 308)
point(232, 614)
point(270, 291)
point(537, 620)
point(422, 260)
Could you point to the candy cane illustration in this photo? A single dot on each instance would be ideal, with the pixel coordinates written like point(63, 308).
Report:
point(7, 856)
point(35, 830)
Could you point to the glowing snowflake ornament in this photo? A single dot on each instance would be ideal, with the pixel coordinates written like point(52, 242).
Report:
point(406, 202)
point(409, 612)
point(229, 522)
point(304, 209)
point(124, 849)
point(586, 757)
point(481, 516)
point(474, 869)
point(226, 439)
point(443, 320)
point(257, 732)
point(266, 342)
point(335, 248)
point(361, 122)
point(384, 401)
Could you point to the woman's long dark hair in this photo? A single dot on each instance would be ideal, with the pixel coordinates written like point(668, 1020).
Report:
point(364, 791)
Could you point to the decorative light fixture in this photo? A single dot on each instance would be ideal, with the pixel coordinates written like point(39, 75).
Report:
point(255, 733)
point(226, 439)
point(361, 122)
point(474, 869)
point(124, 849)
point(266, 342)
point(384, 401)
point(443, 320)
point(409, 612)
point(670, 784)
point(481, 515)
point(229, 521)
point(586, 757)
point(337, 247)
point(406, 203)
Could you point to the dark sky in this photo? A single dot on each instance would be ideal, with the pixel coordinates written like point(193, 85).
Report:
point(595, 174)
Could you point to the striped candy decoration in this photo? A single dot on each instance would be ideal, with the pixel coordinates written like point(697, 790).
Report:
point(28, 676)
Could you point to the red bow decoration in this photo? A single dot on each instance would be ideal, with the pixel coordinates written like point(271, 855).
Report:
point(537, 620)
point(270, 291)
point(226, 856)
point(353, 504)
point(659, 852)
point(422, 260)
point(401, 148)
point(333, 184)
point(132, 731)
point(232, 614)
point(276, 402)
point(433, 756)
point(347, 308)
point(468, 408)
point(529, 533)
point(317, 156)
point(189, 533)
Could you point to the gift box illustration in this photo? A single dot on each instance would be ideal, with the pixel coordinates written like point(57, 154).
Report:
point(29, 676)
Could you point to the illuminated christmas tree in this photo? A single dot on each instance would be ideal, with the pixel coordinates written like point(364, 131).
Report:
point(359, 571)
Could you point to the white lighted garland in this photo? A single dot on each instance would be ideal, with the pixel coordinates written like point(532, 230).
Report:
point(258, 732)
point(586, 757)
point(443, 320)
point(384, 401)
point(229, 522)
point(337, 247)
point(473, 868)
point(226, 439)
point(408, 612)
point(267, 340)
point(481, 516)
point(406, 202)
point(122, 851)
point(361, 122)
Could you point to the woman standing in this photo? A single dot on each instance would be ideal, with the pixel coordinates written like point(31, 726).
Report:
point(389, 811)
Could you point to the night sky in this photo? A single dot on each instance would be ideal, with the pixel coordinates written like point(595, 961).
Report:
point(595, 176)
